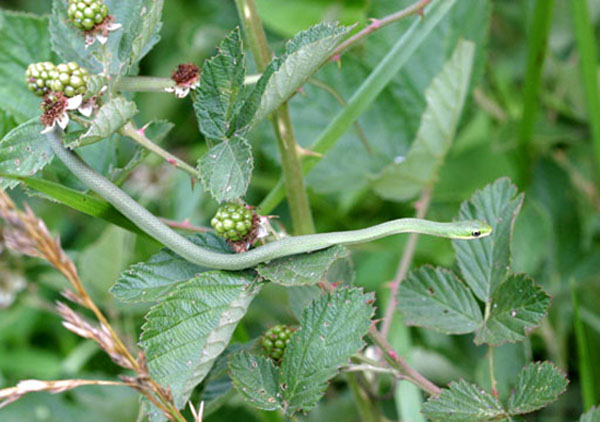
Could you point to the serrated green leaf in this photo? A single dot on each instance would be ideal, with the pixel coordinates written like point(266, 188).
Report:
point(435, 298)
point(24, 39)
point(143, 35)
point(539, 384)
point(154, 279)
point(186, 332)
point(463, 402)
point(593, 415)
point(485, 263)
point(23, 152)
point(226, 169)
point(517, 305)
point(304, 54)
point(219, 98)
point(110, 118)
point(305, 269)
point(445, 100)
point(255, 377)
point(331, 330)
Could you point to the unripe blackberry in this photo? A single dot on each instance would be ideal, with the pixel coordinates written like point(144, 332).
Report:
point(70, 79)
point(86, 14)
point(275, 340)
point(232, 221)
point(38, 77)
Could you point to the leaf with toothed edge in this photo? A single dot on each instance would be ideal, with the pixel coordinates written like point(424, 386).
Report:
point(593, 415)
point(255, 377)
point(463, 402)
point(485, 263)
point(185, 333)
point(538, 384)
point(23, 152)
point(517, 305)
point(110, 118)
point(435, 298)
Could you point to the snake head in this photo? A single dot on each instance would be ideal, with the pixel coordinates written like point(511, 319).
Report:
point(473, 229)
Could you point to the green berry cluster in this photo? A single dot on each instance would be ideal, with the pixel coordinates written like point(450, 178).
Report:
point(38, 77)
point(232, 221)
point(70, 79)
point(275, 341)
point(86, 14)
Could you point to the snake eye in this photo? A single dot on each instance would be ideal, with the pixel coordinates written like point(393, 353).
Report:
point(476, 233)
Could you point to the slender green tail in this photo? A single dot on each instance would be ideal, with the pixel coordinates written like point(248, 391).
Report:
point(151, 225)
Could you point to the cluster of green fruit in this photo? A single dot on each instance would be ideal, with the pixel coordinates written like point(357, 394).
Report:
point(233, 221)
point(86, 14)
point(275, 340)
point(68, 78)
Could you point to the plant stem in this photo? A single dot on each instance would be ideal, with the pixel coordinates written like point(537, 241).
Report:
point(493, 382)
point(415, 9)
point(144, 84)
point(132, 132)
point(293, 175)
point(366, 408)
point(538, 40)
point(586, 44)
point(422, 206)
point(586, 376)
point(367, 92)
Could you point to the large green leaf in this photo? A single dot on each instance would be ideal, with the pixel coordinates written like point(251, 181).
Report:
point(517, 305)
point(255, 377)
point(24, 40)
point(435, 298)
point(154, 279)
point(24, 151)
point(187, 331)
point(110, 118)
point(304, 54)
point(485, 263)
point(305, 269)
point(593, 415)
point(539, 384)
point(218, 99)
point(226, 169)
point(331, 330)
point(445, 99)
point(464, 402)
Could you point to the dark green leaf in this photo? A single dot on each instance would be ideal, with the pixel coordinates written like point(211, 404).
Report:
point(305, 269)
point(435, 298)
point(143, 33)
point(255, 377)
point(463, 402)
point(24, 151)
point(539, 384)
point(110, 118)
point(187, 331)
point(485, 263)
point(517, 305)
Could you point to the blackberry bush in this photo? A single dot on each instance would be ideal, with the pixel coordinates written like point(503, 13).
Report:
point(70, 79)
point(86, 14)
point(275, 340)
point(38, 77)
point(233, 221)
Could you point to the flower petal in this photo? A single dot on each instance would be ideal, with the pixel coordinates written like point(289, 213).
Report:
point(63, 120)
point(114, 26)
point(86, 109)
point(75, 102)
point(102, 39)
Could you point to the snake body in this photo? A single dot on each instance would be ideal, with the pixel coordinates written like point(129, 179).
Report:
point(293, 245)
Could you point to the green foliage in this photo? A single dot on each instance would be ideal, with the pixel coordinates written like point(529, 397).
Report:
point(445, 99)
point(307, 269)
point(23, 151)
point(110, 118)
point(189, 329)
point(592, 416)
point(538, 384)
point(330, 331)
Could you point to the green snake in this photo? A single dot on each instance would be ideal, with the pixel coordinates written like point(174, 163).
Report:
point(286, 246)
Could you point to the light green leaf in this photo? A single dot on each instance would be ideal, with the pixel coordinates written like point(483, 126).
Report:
point(24, 39)
point(154, 279)
point(304, 54)
point(539, 384)
point(219, 98)
point(226, 169)
point(305, 269)
point(435, 298)
point(485, 262)
point(255, 377)
point(186, 332)
point(445, 99)
point(331, 330)
point(143, 35)
point(463, 402)
point(24, 151)
point(110, 118)
point(517, 305)
point(593, 415)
